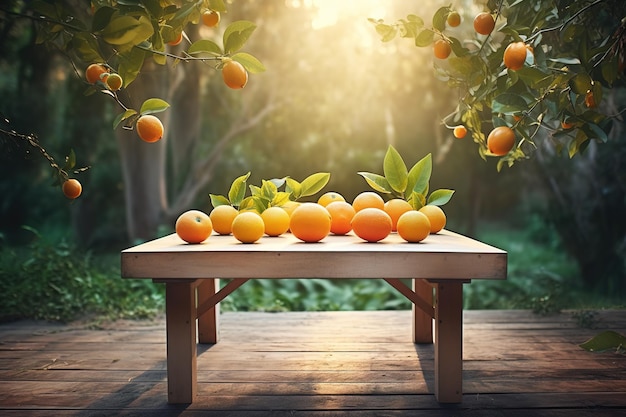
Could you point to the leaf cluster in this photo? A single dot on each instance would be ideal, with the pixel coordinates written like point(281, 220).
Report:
point(578, 50)
point(124, 34)
point(269, 194)
point(412, 185)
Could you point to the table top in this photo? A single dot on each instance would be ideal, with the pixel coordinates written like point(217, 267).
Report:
point(445, 255)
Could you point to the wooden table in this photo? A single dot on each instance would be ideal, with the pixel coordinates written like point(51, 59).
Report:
point(437, 267)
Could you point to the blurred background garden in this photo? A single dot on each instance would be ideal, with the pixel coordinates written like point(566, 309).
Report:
point(332, 99)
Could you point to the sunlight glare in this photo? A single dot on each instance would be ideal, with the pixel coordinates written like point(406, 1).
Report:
point(329, 12)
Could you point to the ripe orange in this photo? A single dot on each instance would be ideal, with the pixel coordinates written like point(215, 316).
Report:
point(194, 226)
point(436, 216)
point(235, 75)
point(248, 227)
point(72, 188)
point(114, 82)
point(515, 55)
point(310, 222)
point(94, 72)
point(454, 19)
point(327, 198)
point(149, 128)
point(501, 140)
point(211, 18)
point(460, 131)
point(341, 214)
point(176, 41)
point(395, 208)
point(222, 218)
point(567, 125)
point(371, 224)
point(441, 49)
point(484, 23)
point(413, 226)
point(590, 100)
point(368, 199)
point(276, 221)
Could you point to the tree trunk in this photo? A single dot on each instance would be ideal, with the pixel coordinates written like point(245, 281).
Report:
point(143, 164)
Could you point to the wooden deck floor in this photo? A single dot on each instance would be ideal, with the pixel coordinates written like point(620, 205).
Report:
point(343, 364)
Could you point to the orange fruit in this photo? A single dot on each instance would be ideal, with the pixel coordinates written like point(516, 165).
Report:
point(371, 224)
point(149, 128)
point(310, 222)
point(567, 125)
point(194, 226)
point(222, 218)
point(515, 55)
point(590, 100)
point(454, 19)
point(368, 199)
point(235, 75)
point(395, 208)
point(114, 82)
point(484, 23)
point(176, 41)
point(501, 140)
point(341, 214)
point(94, 72)
point(441, 49)
point(460, 131)
point(211, 18)
point(248, 227)
point(413, 226)
point(436, 216)
point(329, 197)
point(72, 188)
point(276, 221)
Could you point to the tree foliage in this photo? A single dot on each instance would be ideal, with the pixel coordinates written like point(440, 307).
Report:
point(576, 48)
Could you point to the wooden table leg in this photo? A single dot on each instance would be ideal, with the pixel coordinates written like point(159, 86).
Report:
point(209, 322)
point(180, 310)
point(422, 322)
point(449, 342)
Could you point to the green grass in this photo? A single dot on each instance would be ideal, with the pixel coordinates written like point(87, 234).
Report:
point(55, 281)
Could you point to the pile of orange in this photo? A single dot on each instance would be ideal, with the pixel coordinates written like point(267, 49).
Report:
point(369, 217)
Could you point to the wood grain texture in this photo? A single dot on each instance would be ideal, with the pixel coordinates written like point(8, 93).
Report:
point(320, 364)
point(442, 256)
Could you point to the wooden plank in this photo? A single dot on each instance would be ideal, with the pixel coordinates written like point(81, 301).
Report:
point(209, 320)
point(422, 326)
point(441, 256)
point(180, 299)
point(313, 363)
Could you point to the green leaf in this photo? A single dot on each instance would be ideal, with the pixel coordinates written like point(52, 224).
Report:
point(123, 116)
point(293, 187)
point(509, 103)
point(314, 183)
point(249, 62)
point(238, 189)
point(268, 190)
point(70, 161)
point(424, 38)
point(280, 198)
point(126, 29)
point(377, 182)
point(218, 200)
point(101, 18)
point(395, 170)
point(417, 200)
point(386, 32)
point(153, 105)
point(217, 5)
point(419, 175)
point(236, 35)
point(130, 64)
point(603, 341)
point(581, 83)
point(440, 197)
point(204, 46)
point(439, 18)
